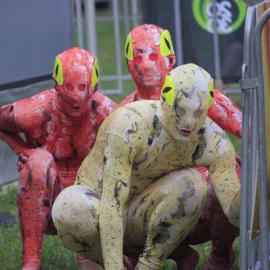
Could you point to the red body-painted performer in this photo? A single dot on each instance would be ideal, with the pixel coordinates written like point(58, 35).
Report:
point(150, 56)
point(60, 127)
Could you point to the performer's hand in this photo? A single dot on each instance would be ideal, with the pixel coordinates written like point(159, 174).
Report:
point(23, 158)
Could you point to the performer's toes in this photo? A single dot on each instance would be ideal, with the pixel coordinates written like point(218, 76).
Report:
point(31, 266)
point(130, 263)
point(86, 264)
point(189, 262)
point(219, 263)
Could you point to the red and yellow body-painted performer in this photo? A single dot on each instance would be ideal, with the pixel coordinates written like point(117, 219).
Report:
point(150, 56)
point(60, 127)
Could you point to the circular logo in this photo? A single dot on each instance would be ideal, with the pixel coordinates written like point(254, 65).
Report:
point(226, 16)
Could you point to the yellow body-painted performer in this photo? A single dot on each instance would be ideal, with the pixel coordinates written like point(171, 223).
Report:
point(137, 188)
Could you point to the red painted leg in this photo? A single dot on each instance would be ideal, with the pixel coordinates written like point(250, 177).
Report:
point(223, 234)
point(185, 257)
point(35, 193)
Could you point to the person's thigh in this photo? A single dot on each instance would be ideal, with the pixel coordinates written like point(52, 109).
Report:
point(165, 211)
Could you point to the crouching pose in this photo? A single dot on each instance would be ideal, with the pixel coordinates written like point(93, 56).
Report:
point(60, 126)
point(136, 188)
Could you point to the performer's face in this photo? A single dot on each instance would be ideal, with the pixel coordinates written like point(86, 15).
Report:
point(147, 65)
point(183, 121)
point(185, 101)
point(75, 93)
point(76, 79)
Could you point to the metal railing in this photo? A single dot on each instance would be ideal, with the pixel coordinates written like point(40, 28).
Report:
point(254, 243)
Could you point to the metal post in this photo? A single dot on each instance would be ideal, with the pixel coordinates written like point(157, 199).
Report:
point(90, 18)
point(262, 155)
point(244, 182)
point(246, 74)
point(126, 16)
point(117, 39)
point(78, 5)
point(178, 32)
point(134, 8)
point(216, 46)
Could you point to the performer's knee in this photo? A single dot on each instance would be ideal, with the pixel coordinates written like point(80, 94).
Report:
point(76, 210)
point(38, 171)
point(189, 193)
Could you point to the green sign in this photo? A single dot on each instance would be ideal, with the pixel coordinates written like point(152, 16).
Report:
point(229, 15)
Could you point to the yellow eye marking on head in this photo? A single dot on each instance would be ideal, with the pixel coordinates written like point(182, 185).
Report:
point(58, 72)
point(95, 74)
point(167, 91)
point(129, 48)
point(210, 93)
point(166, 46)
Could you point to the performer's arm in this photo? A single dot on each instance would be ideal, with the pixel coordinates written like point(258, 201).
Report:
point(9, 130)
point(104, 106)
point(117, 160)
point(226, 114)
point(7, 119)
point(225, 181)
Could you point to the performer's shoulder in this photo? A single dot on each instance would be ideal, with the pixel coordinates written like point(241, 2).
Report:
point(131, 117)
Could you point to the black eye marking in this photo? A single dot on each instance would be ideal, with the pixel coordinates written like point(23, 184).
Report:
point(211, 93)
point(56, 69)
point(127, 48)
point(96, 70)
point(167, 43)
point(167, 89)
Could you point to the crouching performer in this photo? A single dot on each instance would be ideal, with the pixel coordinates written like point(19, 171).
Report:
point(60, 126)
point(136, 190)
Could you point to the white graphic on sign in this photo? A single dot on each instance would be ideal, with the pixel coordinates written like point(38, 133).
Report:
point(221, 13)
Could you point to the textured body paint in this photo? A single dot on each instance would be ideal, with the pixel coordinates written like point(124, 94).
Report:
point(137, 169)
point(226, 114)
point(60, 127)
point(229, 117)
point(148, 66)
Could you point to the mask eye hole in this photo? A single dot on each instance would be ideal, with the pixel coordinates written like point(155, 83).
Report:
point(197, 113)
point(69, 87)
point(82, 87)
point(180, 112)
point(137, 59)
point(153, 57)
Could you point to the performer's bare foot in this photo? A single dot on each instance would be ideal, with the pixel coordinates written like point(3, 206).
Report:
point(31, 265)
point(88, 265)
point(219, 263)
point(189, 261)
